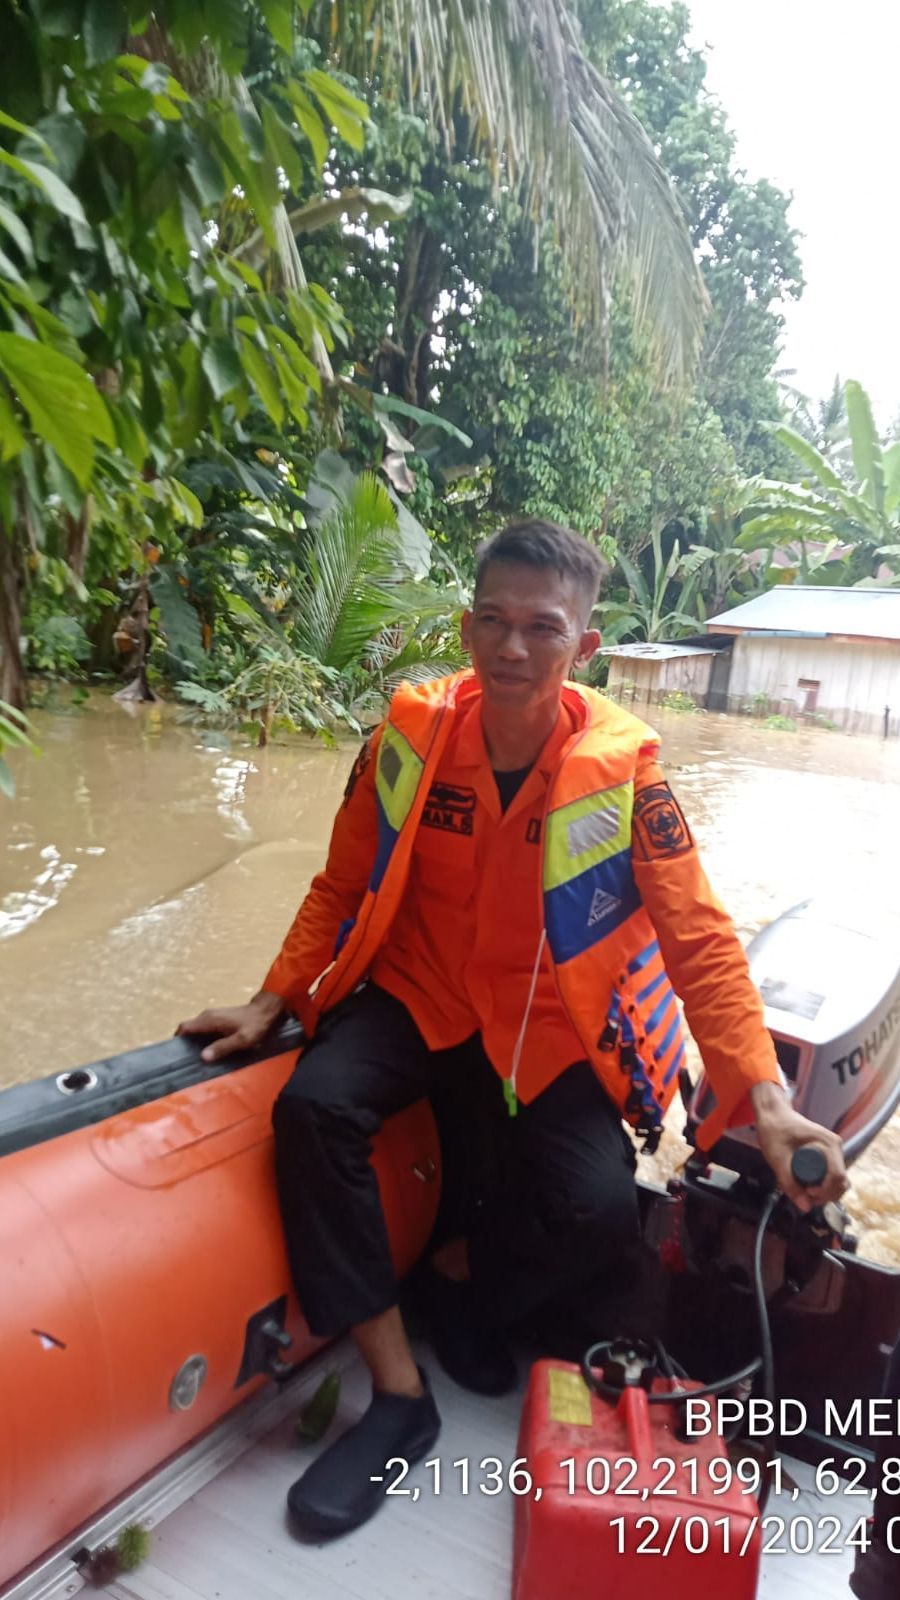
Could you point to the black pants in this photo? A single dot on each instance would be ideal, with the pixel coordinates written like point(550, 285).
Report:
point(546, 1198)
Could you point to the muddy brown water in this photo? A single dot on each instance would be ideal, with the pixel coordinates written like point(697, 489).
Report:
point(148, 870)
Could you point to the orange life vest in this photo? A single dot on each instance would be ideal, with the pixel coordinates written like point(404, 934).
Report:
point(599, 938)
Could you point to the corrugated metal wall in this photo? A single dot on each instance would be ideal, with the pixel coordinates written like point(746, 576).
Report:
point(857, 680)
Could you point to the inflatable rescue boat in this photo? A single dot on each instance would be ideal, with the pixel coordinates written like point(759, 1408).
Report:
point(146, 1291)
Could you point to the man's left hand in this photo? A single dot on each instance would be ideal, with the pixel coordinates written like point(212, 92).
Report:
point(781, 1130)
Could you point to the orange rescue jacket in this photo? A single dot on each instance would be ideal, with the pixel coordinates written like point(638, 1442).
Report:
point(623, 899)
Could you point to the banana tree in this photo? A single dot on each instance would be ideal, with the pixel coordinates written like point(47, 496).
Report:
point(648, 613)
point(821, 513)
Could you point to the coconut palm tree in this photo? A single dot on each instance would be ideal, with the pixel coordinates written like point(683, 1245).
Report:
point(514, 74)
point(822, 423)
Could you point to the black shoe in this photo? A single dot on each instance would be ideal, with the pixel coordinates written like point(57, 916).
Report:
point(470, 1351)
point(876, 1573)
point(345, 1484)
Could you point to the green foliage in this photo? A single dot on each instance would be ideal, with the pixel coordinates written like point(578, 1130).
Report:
point(823, 425)
point(564, 424)
point(275, 690)
point(212, 702)
point(514, 88)
point(156, 173)
point(281, 689)
point(58, 646)
point(678, 700)
point(133, 1546)
point(649, 612)
point(133, 337)
point(178, 620)
point(782, 724)
point(839, 528)
point(173, 371)
point(747, 248)
point(311, 631)
point(556, 430)
point(354, 590)
point(14, 733)
point(319, 1412)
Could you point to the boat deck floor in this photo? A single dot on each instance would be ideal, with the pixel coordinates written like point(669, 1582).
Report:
point(228, 1539)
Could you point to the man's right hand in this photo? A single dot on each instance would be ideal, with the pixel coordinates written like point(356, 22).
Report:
point(236, 1027)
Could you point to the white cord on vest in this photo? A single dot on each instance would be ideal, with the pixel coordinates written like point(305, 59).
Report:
point(517, 1053)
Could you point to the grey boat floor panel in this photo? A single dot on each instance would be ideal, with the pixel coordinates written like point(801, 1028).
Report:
point(230, 1539)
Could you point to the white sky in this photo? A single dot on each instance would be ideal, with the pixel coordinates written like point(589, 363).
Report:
point(811, 89)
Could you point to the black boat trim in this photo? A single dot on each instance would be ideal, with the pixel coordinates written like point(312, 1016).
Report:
point(33, 1113)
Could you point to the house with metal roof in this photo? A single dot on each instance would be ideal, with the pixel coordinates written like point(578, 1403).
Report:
point(647, 673)
point(810, 651)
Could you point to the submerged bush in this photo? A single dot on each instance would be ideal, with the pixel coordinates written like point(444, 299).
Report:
point(678, 700)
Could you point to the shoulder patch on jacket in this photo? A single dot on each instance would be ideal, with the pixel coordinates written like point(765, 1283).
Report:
point(659, 829)
point(357, 770)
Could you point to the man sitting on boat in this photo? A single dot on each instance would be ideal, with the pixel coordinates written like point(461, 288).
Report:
point(510, 893)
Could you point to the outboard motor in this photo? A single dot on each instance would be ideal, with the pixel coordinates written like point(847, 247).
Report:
point(829, 976)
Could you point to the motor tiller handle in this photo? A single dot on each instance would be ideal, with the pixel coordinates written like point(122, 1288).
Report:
point(809, 1166)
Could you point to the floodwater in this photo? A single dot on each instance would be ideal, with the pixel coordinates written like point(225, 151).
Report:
point(148, 870)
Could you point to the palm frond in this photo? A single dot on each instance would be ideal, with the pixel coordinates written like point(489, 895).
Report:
point(344, 601)
point(421, 660)
point(557, 130)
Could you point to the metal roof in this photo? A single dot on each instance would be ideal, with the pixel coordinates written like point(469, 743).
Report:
point(816, 612)
point(659, 652)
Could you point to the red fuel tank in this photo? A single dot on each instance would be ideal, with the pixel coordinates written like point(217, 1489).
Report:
point(619, 1506)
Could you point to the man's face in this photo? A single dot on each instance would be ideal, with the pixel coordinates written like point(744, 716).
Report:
point(525, 633)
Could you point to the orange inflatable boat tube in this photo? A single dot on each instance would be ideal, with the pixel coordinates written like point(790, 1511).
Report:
point(145, 1286)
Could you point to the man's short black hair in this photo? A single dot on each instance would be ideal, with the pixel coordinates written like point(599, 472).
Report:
point(535, 542)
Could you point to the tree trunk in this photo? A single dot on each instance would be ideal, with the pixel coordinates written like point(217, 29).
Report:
point(13, 683)
point(419, 283)
point(77, 529)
